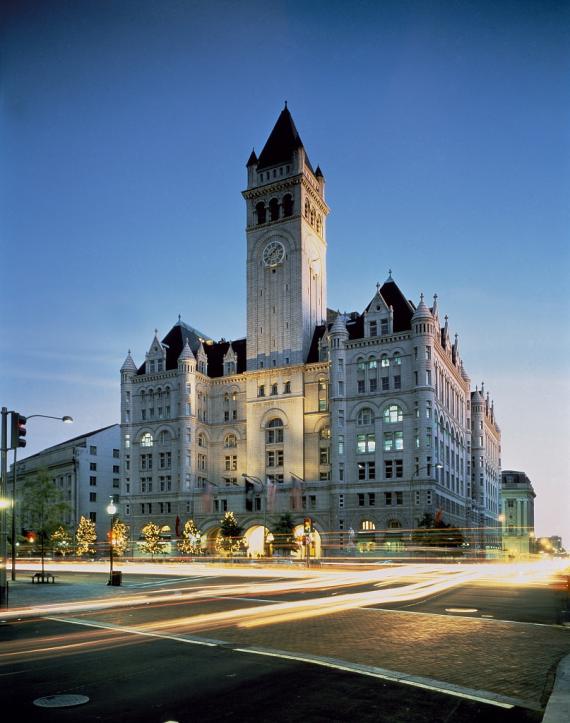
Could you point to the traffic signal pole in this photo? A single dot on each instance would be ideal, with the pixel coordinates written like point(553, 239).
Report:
point(3, 503)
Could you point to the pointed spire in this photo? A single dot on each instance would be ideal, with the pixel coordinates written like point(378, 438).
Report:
point(128, 364)
point(319, 173)
point(434, 310)
point(339, 326)
point(283, 141)
point(389, 279)
point(252, 160)
point(422, 311)
point(186, 352)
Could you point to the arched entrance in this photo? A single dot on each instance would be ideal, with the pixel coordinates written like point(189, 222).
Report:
point(315, 545)
point(257, 538)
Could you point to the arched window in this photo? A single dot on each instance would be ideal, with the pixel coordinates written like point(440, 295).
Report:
point(202, 442)
point(365, 416)
point(325, 433)
point(313, 217)
point(394, 525)
point(372, 363)
point(397, 358)
point(146, 440)
point(393, 414)
point(230, 440)
point(164, 437)
point(360, 365)
point(260, 211)
point(319, 223)
point(307, 209)
point(367, 525)
point(274, 209)
point(274, 431)
point(385, 362)
point(287, 204)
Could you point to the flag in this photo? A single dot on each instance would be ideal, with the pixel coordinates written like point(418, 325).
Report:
point(296, 493)
point(249, 491)
point(177, 526)
point(271, 492)
point(207, 498)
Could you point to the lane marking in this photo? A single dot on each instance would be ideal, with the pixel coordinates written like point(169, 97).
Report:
point(135, 631)
point(457, 691)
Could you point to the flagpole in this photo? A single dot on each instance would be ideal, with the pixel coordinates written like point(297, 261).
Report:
point(263, 489)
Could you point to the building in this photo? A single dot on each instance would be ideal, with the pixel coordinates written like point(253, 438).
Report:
point(87, 471)
point(517, 513)
point(361, 422)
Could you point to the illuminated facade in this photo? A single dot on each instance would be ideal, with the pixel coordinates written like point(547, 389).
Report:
point(517, 513)
point(361, 422)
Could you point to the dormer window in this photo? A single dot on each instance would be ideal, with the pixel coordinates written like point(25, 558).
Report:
point(373, 328)
point(151, 366)
point(159, 365)
point(384, 326)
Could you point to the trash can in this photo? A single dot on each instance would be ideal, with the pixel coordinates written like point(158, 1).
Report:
point(116, 578)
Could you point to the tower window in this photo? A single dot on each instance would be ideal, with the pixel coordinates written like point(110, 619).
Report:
point(287, 205)
point(261, 213)
point(274, 209)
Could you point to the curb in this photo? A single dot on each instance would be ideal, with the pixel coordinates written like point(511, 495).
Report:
point(558, 706)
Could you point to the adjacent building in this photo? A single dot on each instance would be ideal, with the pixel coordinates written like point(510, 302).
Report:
point(517, 513)
point(87, 471)
point(363, 421)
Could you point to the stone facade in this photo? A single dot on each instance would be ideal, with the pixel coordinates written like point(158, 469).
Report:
point(517, 513)
point(360, 421)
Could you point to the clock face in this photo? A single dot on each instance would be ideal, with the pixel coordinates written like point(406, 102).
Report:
point(273, 253)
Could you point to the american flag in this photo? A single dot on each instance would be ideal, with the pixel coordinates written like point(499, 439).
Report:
point(296, 493)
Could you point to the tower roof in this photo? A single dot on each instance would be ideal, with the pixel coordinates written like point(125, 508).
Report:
point(128, 364)
point(283, 141)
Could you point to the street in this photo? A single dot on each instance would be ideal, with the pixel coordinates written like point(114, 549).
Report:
point(399, 643)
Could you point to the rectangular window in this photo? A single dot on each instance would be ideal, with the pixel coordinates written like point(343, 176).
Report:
point(428, 377)
point(384, 326)
point(341, 417)
point(93, 497)
point(428, 437)
point(388, 441)
point(92, 481)
point(93, 466)
point(397, 381)
point(398, 440)
point(341, 444)
point(116, 469)
point(341, 472)
point(385, 384)
point(261, 391)
point(399, 468)
point(373, 328)
point(93, 450)
point(373, 385)
point(388, 469)
point(387, 498)
point(93, 516)
point(371, 499)
point(116, 483)
point(428, 353)
point(428, 410)
point(341, 389)
point(399, 498)
point(360, 388)
point(361, 499)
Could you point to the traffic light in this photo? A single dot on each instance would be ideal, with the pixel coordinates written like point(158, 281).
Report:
point(18, 431)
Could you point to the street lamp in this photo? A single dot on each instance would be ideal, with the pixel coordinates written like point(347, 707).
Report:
point(66, 420)
point(438, 465)
point(263, 487)
point(111, 510)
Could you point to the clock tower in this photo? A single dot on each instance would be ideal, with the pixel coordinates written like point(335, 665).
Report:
point(286, 250)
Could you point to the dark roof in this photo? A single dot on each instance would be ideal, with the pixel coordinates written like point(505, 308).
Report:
point(215, 353)
point(283, 141)
point(403, 310)
point(174, 342)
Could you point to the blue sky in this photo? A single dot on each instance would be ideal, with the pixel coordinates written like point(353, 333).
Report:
point(442, 131)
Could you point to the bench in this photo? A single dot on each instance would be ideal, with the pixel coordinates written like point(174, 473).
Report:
point(43, 577)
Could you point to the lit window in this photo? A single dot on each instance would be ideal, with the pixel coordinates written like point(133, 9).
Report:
point(385, 362)
point(146, 440)
point(393, 414)
point(365, 416)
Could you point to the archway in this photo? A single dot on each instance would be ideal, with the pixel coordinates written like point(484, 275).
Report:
point(257, 537)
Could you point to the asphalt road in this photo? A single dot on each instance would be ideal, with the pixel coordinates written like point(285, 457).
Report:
point(170, 649)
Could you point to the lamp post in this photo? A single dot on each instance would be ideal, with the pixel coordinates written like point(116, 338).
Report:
point(263, 488)
point(438, 465)
point(66, 420)
point(111, 510)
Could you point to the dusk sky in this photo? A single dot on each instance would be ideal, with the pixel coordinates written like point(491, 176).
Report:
point(442, 129)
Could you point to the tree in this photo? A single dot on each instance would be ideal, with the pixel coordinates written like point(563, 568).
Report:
point(120, 537)
point(152, 542)
point(230, 538)
point(85, 537)
point(190, 544)
point(283, 535)
point(62, 541)
point(44, 508)
point(434, 532)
